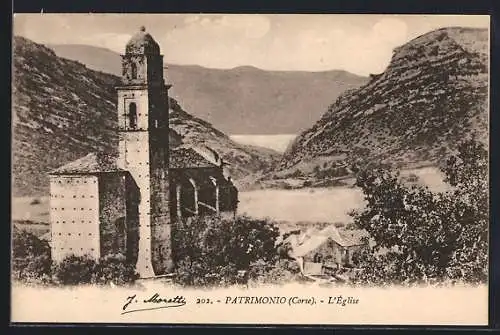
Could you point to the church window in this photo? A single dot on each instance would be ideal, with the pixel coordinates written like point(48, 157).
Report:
point(133, 70)
point(132, 115)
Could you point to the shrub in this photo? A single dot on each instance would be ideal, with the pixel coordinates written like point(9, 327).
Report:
point(211, 251)
point(31, 260)
point(114, 269)
point(35, 201)
point(26, 244)
point(74, 270)
point(279, 272)
point(36, 269)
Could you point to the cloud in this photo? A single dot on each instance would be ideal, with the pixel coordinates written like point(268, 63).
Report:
point(360, 44)
point(253, 26)
point(225, 41)
point(389, 30)
point(333, 45)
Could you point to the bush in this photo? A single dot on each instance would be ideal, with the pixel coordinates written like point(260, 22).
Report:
point(74, 270)
point(114, 269)
point(279, 272)
point(31, 261)
point(35, 201)
point(26, 244)
point(36, 269)
point(212, 251)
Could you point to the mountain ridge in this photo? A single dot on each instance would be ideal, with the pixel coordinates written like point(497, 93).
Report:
point(432, 94)
point(61, 111)
point(243, 100)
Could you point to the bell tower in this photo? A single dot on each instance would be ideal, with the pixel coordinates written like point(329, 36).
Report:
point(143, 148)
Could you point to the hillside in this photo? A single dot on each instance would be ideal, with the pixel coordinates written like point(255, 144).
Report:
point(62, 111)
point(433, 94)
point(243, 100)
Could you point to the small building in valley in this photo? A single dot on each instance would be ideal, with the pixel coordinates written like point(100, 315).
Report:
point(316, 251)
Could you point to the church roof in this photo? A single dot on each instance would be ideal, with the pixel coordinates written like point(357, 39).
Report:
point(180, 158)
point(187, 157)
point(92, 163)
point(142, 43)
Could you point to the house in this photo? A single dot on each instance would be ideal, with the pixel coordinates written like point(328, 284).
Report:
point(128, 201)
point(319, 250)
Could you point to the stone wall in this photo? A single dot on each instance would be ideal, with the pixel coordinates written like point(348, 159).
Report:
point(74, 216)
point(132, 196)
point(160, 213)
point(112, 213)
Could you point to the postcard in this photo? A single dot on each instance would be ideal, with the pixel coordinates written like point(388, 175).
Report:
point(250, 169)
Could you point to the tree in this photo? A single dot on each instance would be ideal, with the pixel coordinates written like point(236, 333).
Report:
point(213, 251)
point(423, 236)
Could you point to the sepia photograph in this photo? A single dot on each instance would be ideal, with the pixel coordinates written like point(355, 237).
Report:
point(250, 168)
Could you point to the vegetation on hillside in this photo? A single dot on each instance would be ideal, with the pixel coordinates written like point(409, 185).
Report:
point(433, 94)
point(242, 100)
point(63, 111)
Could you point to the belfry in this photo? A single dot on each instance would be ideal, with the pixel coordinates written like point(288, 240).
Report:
point(143, 146)
point(128, 201)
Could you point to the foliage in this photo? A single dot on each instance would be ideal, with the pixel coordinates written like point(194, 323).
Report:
point(31, 260)
point(214, 251)
point(423, 236)
point(279, 272)
point(114, 269)
point(74, 270)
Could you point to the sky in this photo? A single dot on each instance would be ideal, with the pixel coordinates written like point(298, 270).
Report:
point(361, 44)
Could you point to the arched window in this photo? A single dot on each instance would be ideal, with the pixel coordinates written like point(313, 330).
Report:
point(132, 115)
point(133, 68)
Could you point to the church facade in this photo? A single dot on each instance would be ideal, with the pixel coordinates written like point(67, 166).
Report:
point(128, 202)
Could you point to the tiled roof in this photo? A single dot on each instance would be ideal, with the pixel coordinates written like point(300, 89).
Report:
point(305, 243)
point(92, 163)
point(185, 157)
point(180, 157)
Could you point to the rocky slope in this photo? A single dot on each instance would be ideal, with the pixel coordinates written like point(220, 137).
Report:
point(62, 111)
point(243, 100)
point(433, 94)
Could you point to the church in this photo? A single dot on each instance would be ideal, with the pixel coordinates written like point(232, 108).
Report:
point(128, 202)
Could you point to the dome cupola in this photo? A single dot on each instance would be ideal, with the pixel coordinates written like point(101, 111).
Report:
point(142, 43)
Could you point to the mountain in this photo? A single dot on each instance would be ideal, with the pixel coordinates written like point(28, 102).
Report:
point(433, 94)
point(63, 110)
point(243, 100)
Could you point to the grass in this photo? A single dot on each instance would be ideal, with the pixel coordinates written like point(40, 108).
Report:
point(34, 209)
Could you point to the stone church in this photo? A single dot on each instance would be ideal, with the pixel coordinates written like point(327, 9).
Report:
point(128, 203)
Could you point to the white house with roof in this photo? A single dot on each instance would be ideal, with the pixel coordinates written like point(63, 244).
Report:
point(317, 249)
